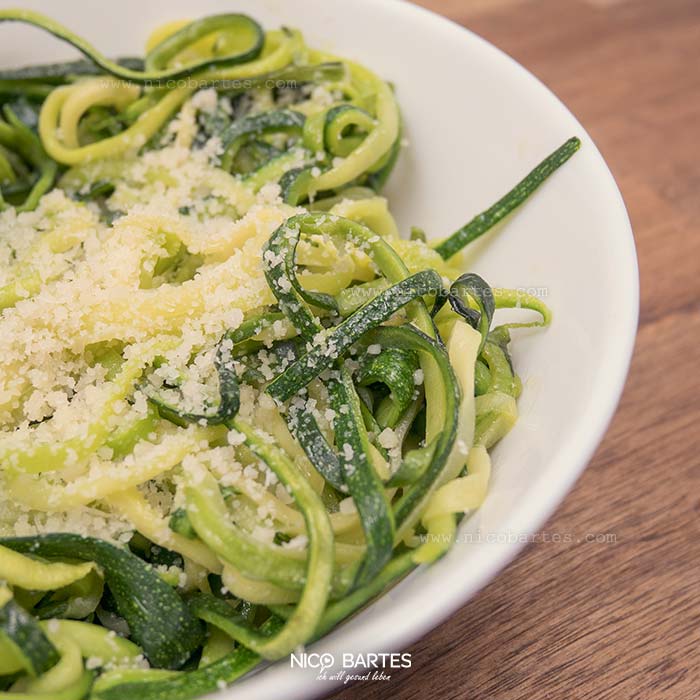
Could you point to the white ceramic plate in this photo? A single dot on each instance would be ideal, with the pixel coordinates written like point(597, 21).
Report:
point(476, 121)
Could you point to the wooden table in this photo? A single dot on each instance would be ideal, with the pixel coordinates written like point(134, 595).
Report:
point(618, 618)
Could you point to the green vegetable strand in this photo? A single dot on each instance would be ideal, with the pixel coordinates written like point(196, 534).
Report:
point(158, 619)
point(159, 57)
point(481, 223)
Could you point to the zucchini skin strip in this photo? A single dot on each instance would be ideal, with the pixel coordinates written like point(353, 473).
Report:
point(305, 429)
point(162, 53)
point(284, 120)
point(328, 71)
point(471, 285)
point(193, 684)
point(59, 73)
point(279, 261)
point(18, 627)
point(365, 486)
point(337, 341)
point(481, 223)
point(158, 619)
point(295, 185)
point(339, 118)
point(408, 508)
point(394, 368)
point(378, 178)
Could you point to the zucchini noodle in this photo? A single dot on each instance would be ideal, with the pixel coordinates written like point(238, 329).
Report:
point(236, 404)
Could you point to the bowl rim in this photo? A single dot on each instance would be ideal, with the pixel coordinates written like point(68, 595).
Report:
point(397, 628)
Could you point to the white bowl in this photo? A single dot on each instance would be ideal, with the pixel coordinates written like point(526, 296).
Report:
point(476, 121)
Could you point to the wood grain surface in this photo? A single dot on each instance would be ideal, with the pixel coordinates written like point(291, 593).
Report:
point(617, 617)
